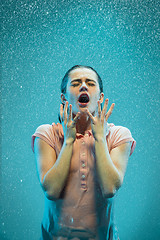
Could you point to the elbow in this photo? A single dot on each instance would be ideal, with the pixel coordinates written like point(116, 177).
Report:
point(108, 195)
point(51, 196)
point(110, 191)
point(50, 192)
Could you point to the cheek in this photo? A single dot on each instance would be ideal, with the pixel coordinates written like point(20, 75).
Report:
point(71, 98)
point(96, 97)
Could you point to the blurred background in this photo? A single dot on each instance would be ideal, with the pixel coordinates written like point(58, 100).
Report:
point(41, 40)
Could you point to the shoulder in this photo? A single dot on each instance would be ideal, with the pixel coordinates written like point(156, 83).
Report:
point(50, 133)
point(42, 128)
point(119, 135)
point(50, 128)
point(119, 130)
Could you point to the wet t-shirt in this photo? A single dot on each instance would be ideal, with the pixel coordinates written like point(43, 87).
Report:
point(81, 210)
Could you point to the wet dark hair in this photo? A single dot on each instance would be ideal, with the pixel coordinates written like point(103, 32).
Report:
point(66, 77)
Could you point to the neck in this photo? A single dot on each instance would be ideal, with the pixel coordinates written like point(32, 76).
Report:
point(83, 124)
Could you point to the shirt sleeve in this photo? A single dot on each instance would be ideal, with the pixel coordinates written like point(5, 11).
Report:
point(45, 132)
point(120, 135)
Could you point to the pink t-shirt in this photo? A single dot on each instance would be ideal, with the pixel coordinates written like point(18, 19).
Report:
point(81, 210)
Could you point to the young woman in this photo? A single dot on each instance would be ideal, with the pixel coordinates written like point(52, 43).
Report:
point(81, 162)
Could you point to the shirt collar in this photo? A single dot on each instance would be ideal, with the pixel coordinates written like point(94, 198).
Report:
point(89, 132)
point(79, 135)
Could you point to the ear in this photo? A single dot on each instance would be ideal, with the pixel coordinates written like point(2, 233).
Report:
point(101, 97)
point(63, 98)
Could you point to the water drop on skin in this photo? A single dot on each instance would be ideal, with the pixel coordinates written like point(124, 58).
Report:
point(71, 220)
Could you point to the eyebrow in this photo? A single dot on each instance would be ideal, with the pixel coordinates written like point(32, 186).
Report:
point(79, 80)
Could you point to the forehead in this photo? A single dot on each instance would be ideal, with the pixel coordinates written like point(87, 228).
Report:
point(82, 73)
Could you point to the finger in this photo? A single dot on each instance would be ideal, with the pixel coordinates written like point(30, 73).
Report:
point(90, 115)
point(99, 109)
point(65, 112)
point(70, 112)
point(104, 109)
point(61, 112)
point(76, 118)
point(110, 111)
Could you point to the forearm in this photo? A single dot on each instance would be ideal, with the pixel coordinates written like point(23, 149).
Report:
point(54, 180)
point(110, 179)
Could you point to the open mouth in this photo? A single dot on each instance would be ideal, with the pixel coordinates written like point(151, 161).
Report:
point(83, 98)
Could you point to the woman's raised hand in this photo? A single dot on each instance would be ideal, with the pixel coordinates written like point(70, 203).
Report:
point(99, 122)
point(69, 125)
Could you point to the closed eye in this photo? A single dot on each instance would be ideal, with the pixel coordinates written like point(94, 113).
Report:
point(75, 84)
point(89, 82)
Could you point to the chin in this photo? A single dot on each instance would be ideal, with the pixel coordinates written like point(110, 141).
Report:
point(80, 109)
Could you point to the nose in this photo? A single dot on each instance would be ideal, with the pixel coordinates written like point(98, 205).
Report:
point(83, 87)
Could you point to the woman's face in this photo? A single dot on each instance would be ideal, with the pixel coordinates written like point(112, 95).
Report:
point(83, 90)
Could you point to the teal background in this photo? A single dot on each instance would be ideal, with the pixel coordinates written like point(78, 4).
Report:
point(41, 40)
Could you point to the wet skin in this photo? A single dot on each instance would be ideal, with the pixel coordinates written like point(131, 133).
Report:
point(89, 114)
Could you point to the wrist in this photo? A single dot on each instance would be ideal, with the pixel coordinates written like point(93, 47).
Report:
point(100, 138)
point(69, 141)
